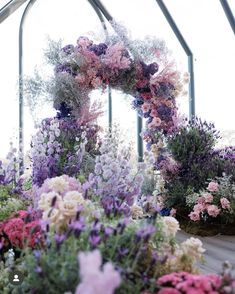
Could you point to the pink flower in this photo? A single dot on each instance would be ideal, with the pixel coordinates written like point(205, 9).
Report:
point(173, 212)
point(84, 42)
point(114, 57)
point(213, 210)
point(199, 208)
point(145, 107)
point(213, 187)
point(208, 197)
point(194, 216)
point(156, 122)
point(201, 200)
point(153, 112)
point(94, 280)
point(169, 291)
point(225, 203)
point(192, 290)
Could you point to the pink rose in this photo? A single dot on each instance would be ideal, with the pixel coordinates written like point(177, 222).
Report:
point(199, 208)
point(208, 197)
point(194, 216)
point(225, 203)
point(173, 212)
point(213, 187)
point(213, 210)
point(156, 122)
point(153, 112)
point(145, 107)
point(201, 200)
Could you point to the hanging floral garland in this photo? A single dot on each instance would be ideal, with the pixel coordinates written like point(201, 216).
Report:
point(154, 86)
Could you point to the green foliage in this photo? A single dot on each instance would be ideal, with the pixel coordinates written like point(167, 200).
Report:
point(192, 148)
point(9, 203)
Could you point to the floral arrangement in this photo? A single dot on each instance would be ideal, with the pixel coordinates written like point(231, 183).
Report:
point(94, 226)
point(130, 253)
point(114, 180)
point(93, 66)
point(187, 159)
point(216, 204)
point(183, 282)
point(22, 229)
point(119, 63)
point(60, 199)
point(63, 146)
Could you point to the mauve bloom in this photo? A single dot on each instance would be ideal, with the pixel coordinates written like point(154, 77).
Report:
point(213, 210)
point(208, 197)
point(94, 280)
point(213, 187)
point(84, 42)
point(199, 208)
point(156, 122)
point(194, 216)
point(145, 107)
point(225, 203)
point(145, 233)
point(153, 113)
point(68, 49)
point(173, 212)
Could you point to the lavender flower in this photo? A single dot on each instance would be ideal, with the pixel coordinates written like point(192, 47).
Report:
point(114, 180)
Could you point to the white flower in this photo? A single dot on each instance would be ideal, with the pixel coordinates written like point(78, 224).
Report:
point(74, 196)
point(58, 184)
point(54, 216)
point(136, 212)
point(193, 247)
point(46, 199)
point(68, 208)
point(170, 226)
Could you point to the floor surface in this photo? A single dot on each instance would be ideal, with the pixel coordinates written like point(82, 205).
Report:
point(218, 249)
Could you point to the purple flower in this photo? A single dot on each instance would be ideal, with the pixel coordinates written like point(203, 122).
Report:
point(94, 240)
point(145, 233)
point(108, 231)
point(78, 226)
point(68, 49)
point(38, 269)
point(98, 49)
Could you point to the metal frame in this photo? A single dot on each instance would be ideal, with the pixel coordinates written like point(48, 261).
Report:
point(9, 8)
point(187, 50)
point(21, 89)
point(229, 14)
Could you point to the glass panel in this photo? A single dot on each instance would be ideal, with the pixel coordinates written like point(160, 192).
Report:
point(212, 42)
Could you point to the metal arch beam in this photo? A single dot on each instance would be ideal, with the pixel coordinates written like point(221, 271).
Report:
point(9, 8)
point(21, 89)
point(187, 50)
point(103, 9)
point(100, 15)
point(229, 14)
